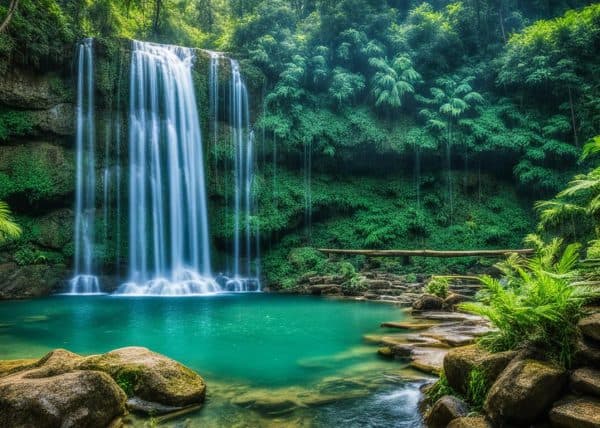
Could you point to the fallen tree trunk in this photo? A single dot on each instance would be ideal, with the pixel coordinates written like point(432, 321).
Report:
point(426, 253)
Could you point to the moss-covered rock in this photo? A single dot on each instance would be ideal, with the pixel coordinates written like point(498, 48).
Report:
point(524, 392)
point(55, 229)
point(36, 173)
point(36, 280)
point(576, 412)
point(31, 91)
point(53, 393)
point(460, 362)
point(150, 376)
point(445, 410)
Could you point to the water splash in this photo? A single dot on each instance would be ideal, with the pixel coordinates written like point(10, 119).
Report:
point(84, 281)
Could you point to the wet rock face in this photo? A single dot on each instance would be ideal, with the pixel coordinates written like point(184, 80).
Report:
point(524, 392)
point(25, 90)
point(63, 389)
point(23, 282)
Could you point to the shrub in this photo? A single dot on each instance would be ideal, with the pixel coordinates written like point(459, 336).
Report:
point(535, 303)
point(438, 286)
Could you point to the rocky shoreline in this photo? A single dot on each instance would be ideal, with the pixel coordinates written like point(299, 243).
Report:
point(63, 389)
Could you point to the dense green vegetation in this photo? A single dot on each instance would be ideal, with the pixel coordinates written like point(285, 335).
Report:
point(380, 123)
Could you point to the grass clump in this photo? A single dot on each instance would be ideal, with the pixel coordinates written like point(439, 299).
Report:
point(477, 388)
point(440, 389)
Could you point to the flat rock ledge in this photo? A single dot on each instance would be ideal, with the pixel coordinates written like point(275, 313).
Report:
point(63, 389)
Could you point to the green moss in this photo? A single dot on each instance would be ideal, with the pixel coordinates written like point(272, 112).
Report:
point(127, 380)
point(14, 123)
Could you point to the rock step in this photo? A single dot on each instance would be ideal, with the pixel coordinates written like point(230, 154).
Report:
point(586, 381)
point(408, 325)
point(590, 326)
point(582, 412)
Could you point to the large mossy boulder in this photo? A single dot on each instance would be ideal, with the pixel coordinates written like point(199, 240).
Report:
point(460, 362)
point(150, 376)
point(63, 389)
point(445, 410)
point(54, 393)
point(524, 392)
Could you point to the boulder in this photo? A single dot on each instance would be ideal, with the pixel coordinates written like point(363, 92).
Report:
point(470, 422)
point(459, 362)
point(524, 391)
point(150, 376)
point(445, 410)
point(586, 381)
point(52, 394)
point(428, 302)
point(582, 412)
point(590, 326)
point(454, 299)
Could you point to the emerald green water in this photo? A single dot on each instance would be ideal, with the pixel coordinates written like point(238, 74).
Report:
point(263, 356)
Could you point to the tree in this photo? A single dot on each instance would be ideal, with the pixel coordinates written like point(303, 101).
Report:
point(452, 97)
point(8, 228)
point(12, 7)
point(393, 80)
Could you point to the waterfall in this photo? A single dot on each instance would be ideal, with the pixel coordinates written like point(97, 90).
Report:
point(84, 281)
point(169, 250)
point(244, 279)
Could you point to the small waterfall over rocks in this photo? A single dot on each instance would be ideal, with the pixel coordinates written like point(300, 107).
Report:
point(84, 281)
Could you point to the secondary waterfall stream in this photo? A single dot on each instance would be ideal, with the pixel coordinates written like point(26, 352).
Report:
point(84, 281)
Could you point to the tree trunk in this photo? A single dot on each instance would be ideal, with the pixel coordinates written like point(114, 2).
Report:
point(573, 123)
point(427, 253)
point(156, 20)
point(11, 10)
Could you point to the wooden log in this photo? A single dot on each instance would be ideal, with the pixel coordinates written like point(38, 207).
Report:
point(427, 253)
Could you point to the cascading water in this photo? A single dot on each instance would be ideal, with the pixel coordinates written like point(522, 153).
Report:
point(244, 279)
point(169, 250)
point(84, 281)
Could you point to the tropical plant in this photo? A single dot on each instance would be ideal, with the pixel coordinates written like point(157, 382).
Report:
point(393, 80)
point(8, 228)
point(535, 303)
point(581, 199)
